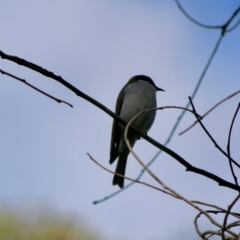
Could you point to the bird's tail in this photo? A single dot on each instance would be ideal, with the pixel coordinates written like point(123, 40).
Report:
point(120, 169)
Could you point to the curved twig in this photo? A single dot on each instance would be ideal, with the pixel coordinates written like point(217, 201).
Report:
point(195, 21)
point(228, 146)
point(219, 232)
point(223, 27)
point(227, 214)
point(233, 27)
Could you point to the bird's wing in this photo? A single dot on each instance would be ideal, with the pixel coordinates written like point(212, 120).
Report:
point(116, 133)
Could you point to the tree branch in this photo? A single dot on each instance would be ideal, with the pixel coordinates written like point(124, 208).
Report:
point(228, 146)
point(209, 135)
point(210, 110)
point(35, 88)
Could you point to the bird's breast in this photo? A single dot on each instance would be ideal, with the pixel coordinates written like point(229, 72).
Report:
point(136, 99)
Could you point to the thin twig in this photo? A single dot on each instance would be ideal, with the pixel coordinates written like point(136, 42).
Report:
point(210, 136)
point(35, 88)
point(208, 205)
point(223, 27)
point(228, 146)
point(195, 21)
point(218, 232)
point(221, 210)
point(210, 110)
point(131, 179)
point(233, 27)
point(227, 214)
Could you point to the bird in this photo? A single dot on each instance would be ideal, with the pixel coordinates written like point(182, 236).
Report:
point(138, 94)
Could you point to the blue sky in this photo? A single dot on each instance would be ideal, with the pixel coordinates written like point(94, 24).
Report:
point(97, 46)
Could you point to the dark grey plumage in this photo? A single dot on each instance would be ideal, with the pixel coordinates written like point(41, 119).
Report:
point(138, 94)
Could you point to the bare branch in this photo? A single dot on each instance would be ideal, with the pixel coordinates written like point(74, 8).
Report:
point(195, 21)
point(220, 210)
point(133, 180)
point(219, 232)
point(227, 214)
point(234, 26)
point(210, 110)
point(223, 27)
point(35, 88)
point(209, 135)
point(228, 146)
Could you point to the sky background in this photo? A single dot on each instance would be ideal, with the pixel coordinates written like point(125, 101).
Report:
point(97, 46)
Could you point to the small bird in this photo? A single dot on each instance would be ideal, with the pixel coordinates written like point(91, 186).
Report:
point(138, 94)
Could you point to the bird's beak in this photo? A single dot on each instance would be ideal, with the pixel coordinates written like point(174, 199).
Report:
point(159, 89)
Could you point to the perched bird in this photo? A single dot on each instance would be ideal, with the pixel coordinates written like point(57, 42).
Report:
point(138, 94)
